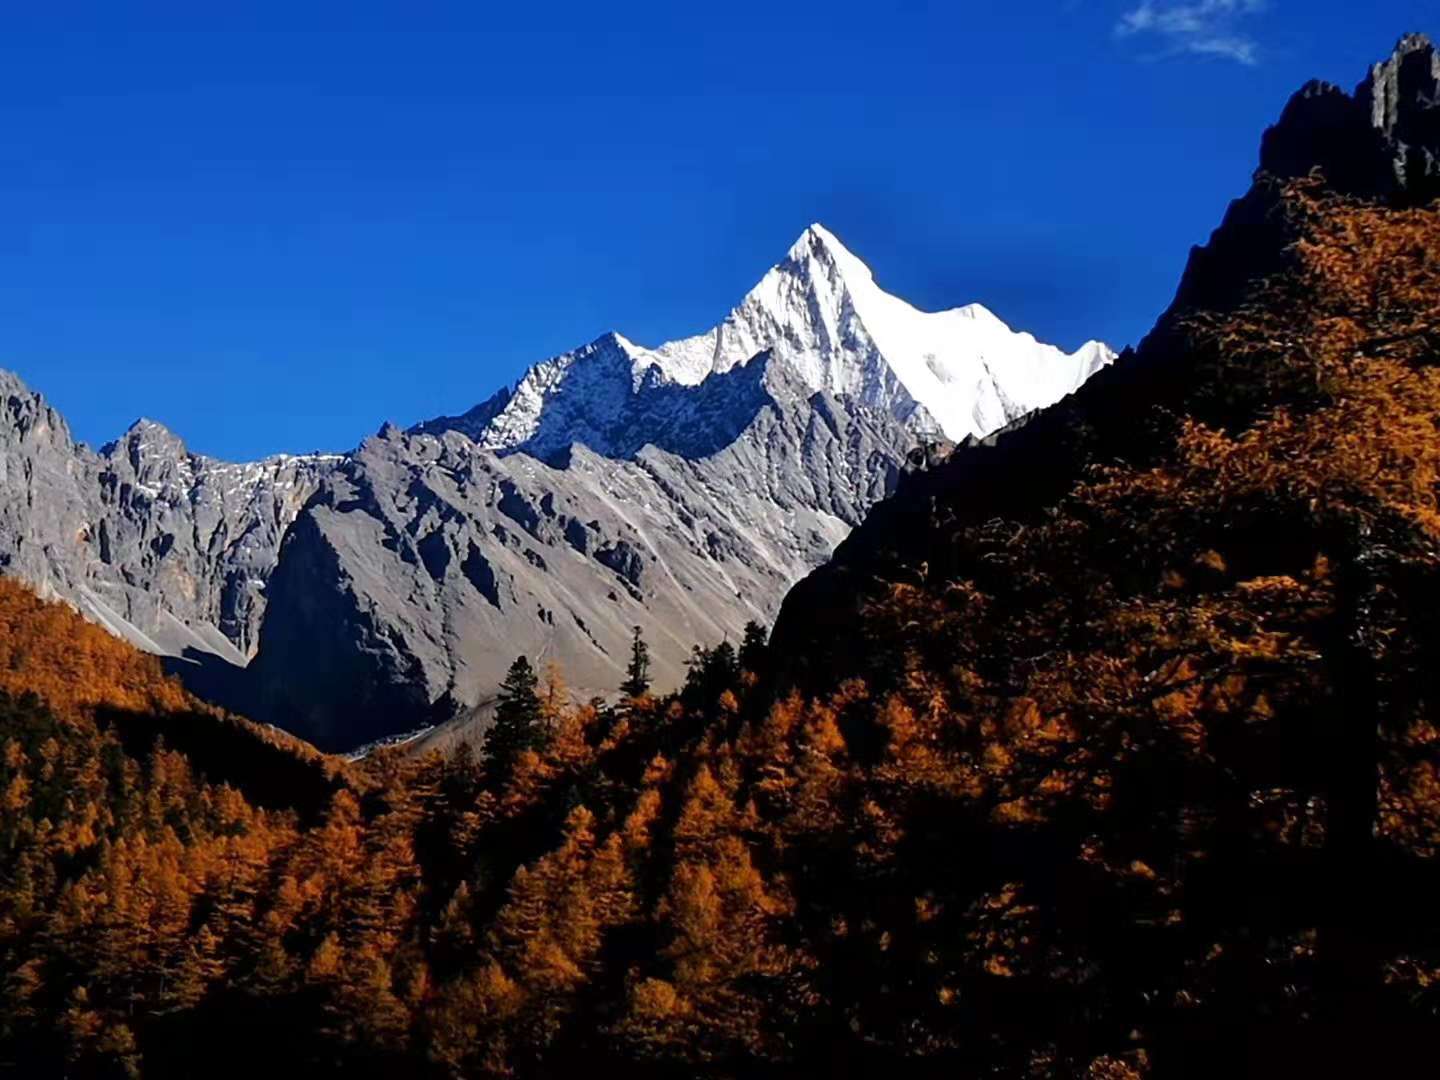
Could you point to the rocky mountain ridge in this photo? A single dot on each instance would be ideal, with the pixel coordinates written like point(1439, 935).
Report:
point(168, 549)
point(680, 489)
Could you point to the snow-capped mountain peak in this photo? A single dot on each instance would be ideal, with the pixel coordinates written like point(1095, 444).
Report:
point(820, 314)
point(818, 242)
point(963, 370)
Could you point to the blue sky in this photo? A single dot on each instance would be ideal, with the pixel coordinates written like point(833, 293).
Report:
point(276, 227)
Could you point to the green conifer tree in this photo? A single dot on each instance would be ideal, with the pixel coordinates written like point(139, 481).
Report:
point(637, 674)
point(753, 647)
point(519, 724)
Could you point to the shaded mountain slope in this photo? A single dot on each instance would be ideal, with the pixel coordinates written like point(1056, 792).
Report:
point(1175, 704)
point(1131, 411)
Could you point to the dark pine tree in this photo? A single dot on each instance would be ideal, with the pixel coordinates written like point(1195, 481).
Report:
point(519, 722)
point(753, 647)
point(711, 672)
point(637, 674)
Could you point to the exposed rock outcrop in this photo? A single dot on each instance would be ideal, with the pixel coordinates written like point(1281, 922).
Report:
point(169, 549)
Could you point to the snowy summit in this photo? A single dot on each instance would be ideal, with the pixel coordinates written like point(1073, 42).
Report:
point(819, 314)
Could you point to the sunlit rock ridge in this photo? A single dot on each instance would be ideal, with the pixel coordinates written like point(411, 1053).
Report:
point(169, 549)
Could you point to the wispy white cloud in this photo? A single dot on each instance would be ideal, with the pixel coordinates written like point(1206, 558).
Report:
point(1213, 28)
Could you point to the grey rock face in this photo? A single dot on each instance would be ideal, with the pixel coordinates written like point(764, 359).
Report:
point(47, 493)
point(168, 549)
point(204, 534)
point(1382, 141)
point(425, 563)
point(1402, 97)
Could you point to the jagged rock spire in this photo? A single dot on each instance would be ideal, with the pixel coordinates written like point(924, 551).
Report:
point(1381, 142)
point(1402, 97)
